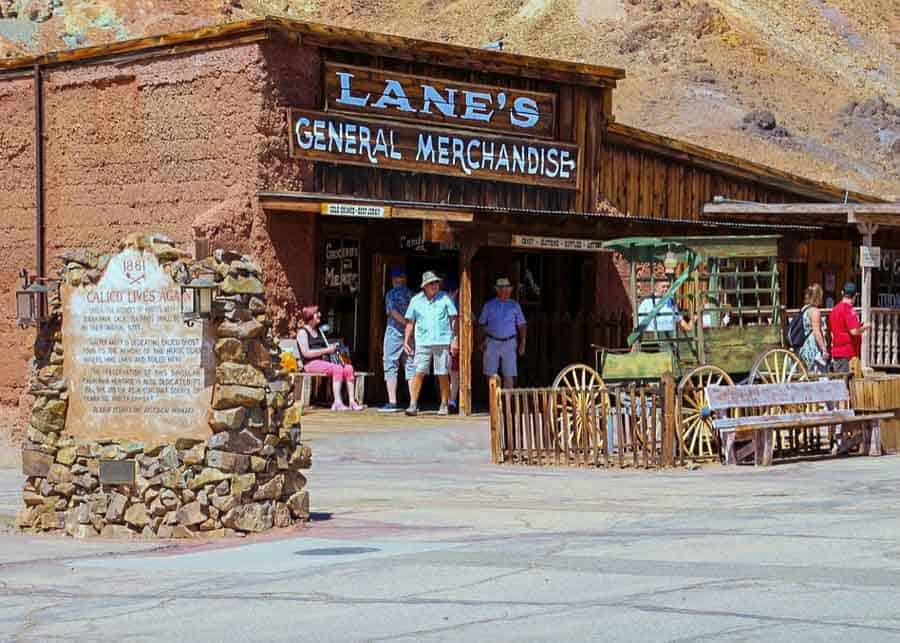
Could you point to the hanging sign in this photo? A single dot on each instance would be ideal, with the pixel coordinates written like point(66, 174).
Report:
point(356, 210)
point(869, 257)
point(556, 243)
point(380, 144)
point(447, 103)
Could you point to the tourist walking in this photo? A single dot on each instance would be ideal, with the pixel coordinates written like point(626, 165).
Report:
point(504, 333)
point(431, 320)
point(396, 301)
point(321, 357)
point(814, 350)
point(846, 331)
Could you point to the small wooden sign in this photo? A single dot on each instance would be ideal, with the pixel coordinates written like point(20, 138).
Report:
point(383, 144)
point(869, 257)
point(356, 210)
point(556, 243)
point(388, 94)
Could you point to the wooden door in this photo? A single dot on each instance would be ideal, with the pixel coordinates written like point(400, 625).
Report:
point(828, 264)
point(381, 283)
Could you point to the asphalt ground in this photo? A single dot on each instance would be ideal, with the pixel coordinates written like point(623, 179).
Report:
point(417, 537)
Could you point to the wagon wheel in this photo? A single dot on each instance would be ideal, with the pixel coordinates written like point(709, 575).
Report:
point(580, 391)
point(780, 366)
point(696, 434)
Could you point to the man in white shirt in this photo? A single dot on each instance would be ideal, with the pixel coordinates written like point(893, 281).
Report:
point(668, 314)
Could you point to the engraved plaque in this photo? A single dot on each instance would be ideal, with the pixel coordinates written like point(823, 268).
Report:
point(117, 472)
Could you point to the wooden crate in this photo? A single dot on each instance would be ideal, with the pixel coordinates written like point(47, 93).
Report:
point(880, 392)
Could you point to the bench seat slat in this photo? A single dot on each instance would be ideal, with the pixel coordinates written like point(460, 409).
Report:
point(795, 420)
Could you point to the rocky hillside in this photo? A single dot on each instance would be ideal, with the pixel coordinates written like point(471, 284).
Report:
point(808, 86)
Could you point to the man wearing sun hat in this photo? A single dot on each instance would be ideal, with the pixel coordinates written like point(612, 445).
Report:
point(396, 301)
point(431, 320)
point(504, 331)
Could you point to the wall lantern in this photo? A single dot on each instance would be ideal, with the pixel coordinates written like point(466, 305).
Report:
point(197, 300)
point(670, 262)
point(31, 302)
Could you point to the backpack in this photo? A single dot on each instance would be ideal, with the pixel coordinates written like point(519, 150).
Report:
point(795, 334)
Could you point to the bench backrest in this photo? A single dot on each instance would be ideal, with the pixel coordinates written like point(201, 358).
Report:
point(763, 395)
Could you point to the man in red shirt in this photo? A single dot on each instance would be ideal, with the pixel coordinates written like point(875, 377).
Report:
point(846, 331)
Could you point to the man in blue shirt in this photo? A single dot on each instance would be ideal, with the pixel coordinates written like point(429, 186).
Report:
point(396, 301)
point(431, 319)
point(504, 331)
point(667, 317)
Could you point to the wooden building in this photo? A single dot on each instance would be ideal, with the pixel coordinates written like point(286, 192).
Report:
point(387, 151)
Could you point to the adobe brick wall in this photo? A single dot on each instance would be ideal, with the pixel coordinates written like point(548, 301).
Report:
point(178, 145)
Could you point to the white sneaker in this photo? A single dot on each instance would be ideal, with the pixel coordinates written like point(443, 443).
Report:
point(443, 410)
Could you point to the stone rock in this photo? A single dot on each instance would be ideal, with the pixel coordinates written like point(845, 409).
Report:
point(194, 455)
point(256, 418)
point(164, 531)
point(224, 504)
point(228, 419)
point(170, 519)
point(59, 473)
point(83, 531)
point(82, 514)
point(148, 532)
point(208, 476)
point(223, 488)
point(174, 479)
point(131, 448)
point(169, 499)
point(51, 520)
point(250, 329)
point(66, 455)
point(241, 286)
point(32, 499)
point(227, 461)
point(256, 305)
point(243, 483)
point(203, 497)
point(228, 396)
point(64, 488)
point(257, 464)
point(271, 490)
point(86, 482)
point(282, 516)
point(188, 496)
point(240, 374)
point(117, 531)
point(213, 512)
point(220, 533)
point(180, 531)
point(294, 481)
point(191, 514)
point(151, 494)
point(168, 458)
point(237, 442)
point(209, 525)
point(292, 416)
point(115, 511)
point(137, 515)
point(35, 463)
point(46, 488)
point(51, 418)
point(157, 508)
point(230, 349)
point(299, 505)
point(183, 444)
point(85, 257)
point(111, 452)
point(301, 458)
point(257, 354)
point(258, 516)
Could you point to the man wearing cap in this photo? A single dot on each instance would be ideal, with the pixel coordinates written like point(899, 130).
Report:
point(431, 320)
point(503, 328)
point(846, 331)
point(396, 301)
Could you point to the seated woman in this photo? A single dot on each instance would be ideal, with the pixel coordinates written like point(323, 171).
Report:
point(314, 348)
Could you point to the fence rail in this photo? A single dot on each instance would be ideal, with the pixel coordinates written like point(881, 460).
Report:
point(620, 426)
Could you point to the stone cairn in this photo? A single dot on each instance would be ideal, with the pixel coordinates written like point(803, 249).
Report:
point(245, 478)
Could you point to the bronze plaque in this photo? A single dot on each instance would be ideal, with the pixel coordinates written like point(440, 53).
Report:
point(117, 472)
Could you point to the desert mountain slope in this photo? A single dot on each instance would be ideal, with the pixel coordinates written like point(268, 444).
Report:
point(808, 86)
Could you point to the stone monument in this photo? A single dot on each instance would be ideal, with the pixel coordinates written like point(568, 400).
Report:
point(143, 425)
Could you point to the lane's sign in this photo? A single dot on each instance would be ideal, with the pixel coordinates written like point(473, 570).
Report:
point(354, 210)
point(328, 136)
point(556, 243)
point(386, 94)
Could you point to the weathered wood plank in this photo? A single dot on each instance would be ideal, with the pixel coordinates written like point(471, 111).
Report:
point(765, 395)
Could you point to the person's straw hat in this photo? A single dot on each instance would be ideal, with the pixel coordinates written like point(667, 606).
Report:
point(428, 278)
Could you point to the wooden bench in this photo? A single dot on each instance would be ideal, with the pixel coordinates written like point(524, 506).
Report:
point(302, 382)
point(795, 405)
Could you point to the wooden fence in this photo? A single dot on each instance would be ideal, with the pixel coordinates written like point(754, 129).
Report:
point(626, 425)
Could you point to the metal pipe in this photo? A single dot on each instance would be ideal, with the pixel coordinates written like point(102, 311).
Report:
point(39, 171)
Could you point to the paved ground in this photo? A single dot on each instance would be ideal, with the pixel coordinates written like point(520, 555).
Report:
point(418, 538)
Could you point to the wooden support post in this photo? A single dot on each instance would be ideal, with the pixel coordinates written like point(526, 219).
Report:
point(466, 328)
point(494, 411)
point(867, 230)
point(668, 438)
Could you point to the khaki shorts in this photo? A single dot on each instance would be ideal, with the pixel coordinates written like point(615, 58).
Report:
point(440, 355)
